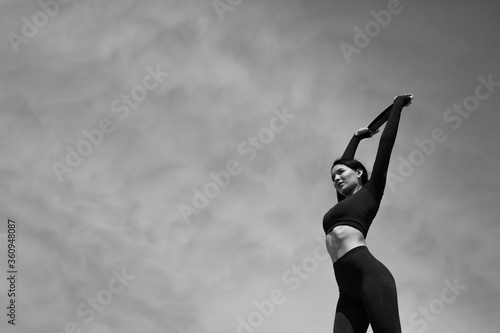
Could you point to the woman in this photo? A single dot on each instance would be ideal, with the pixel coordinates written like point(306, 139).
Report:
point(367, 291)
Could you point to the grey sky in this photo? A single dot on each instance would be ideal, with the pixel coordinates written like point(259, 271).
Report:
point(181, 88)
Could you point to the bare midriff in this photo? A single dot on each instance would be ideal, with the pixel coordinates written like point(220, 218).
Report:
point(342, 239)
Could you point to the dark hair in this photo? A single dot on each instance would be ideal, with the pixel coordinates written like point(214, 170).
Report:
point(353, 164)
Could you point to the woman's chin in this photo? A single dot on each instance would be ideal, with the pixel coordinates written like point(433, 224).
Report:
point(345, 191)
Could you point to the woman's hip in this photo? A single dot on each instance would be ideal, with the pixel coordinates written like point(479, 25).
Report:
point(356, 266)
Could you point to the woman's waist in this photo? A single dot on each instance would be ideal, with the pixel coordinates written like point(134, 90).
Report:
point(343, 238)
point(354, 224)
point(346, 233)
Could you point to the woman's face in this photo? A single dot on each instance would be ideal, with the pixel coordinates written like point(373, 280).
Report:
point(345, 179)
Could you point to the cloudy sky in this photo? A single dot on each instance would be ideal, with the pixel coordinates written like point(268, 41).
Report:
point(166, 163)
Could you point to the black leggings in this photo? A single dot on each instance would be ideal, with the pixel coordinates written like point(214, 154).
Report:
point(367, 294)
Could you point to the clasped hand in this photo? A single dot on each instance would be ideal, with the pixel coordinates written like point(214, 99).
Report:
point(365, 132)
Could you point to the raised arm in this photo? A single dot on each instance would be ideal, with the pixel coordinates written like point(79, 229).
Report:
point(350, 151)
point(362, 133)
point(379, 173)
